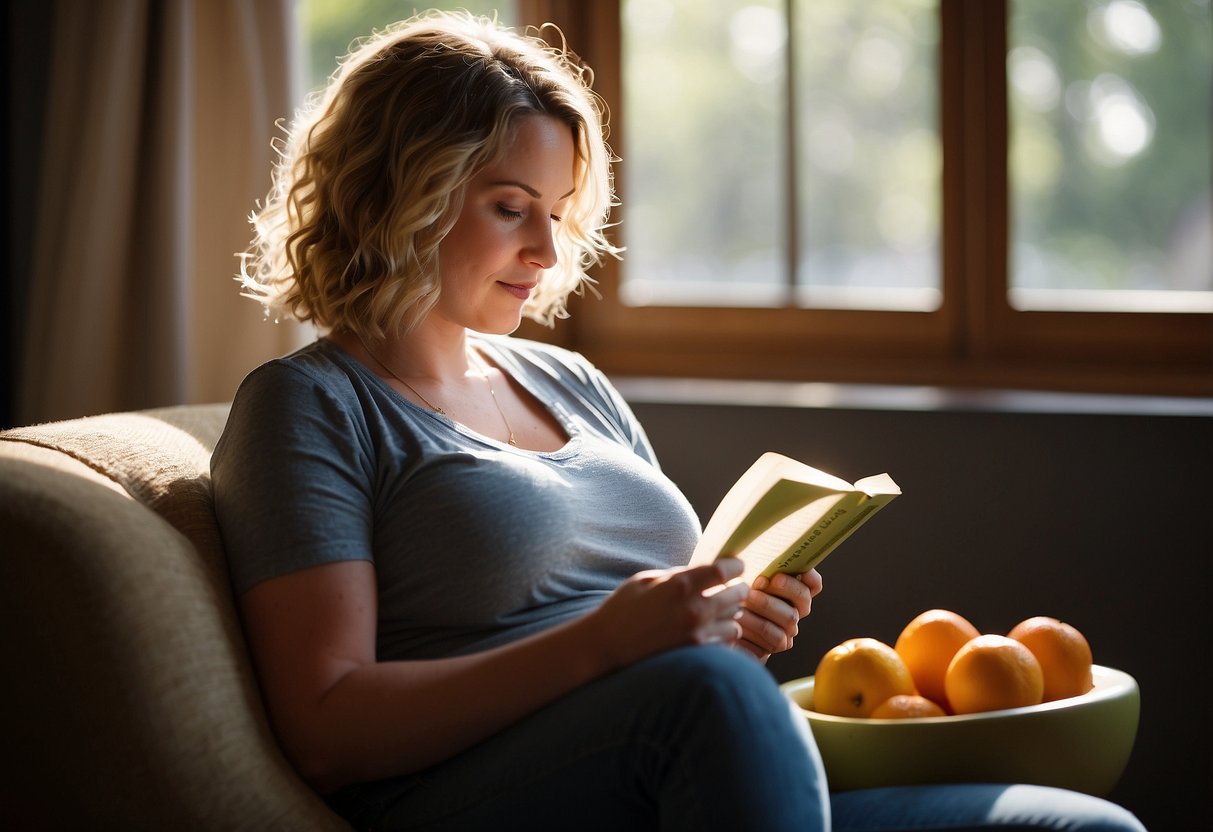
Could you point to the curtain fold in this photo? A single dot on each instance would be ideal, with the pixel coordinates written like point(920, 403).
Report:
point(160, 116)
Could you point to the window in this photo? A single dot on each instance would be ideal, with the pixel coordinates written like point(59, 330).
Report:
point(826, 190)
point(1006, 193)
point(330, 27)
point(808, 171)
point(1110, 156)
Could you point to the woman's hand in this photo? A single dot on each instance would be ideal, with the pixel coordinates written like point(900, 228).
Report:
point(661, 609)
point(773, 609)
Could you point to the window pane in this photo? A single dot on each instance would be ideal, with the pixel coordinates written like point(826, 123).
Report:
point(700, 179)
point(868, 153)
point(1111, 113)
point(331, 26)
point(709, 190)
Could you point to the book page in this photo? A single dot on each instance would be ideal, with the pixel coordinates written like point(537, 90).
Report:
point(818, 539)
point(760, 498)
point(878, 484)
point(783, 515)
point(772, 549)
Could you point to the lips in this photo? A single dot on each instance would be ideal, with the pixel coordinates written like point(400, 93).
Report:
point(522, 291)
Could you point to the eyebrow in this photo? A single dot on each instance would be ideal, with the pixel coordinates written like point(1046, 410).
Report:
point(525, 187)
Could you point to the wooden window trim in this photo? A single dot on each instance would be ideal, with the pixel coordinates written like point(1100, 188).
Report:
point(1157, 352)
point(974, 339)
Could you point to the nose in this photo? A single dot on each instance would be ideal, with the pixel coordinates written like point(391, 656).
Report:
point(541, 248)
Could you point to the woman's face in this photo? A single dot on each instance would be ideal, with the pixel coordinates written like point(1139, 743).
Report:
point(493, 256)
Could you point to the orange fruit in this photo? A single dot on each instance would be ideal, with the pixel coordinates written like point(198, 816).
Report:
point(927, 646)
point(906, 706)
point(991, 673)
point(1063, 653)
point(857, 675)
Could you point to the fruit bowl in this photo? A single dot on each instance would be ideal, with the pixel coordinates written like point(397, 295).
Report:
point(1081, 743)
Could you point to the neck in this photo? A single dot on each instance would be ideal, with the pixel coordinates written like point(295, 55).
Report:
point(420, 355)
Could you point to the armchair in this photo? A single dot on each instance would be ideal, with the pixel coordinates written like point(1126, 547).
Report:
point(128, 699)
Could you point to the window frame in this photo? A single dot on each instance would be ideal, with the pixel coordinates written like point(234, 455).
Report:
point(974, 339)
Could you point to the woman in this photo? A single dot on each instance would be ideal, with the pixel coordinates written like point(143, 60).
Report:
point(459, 566)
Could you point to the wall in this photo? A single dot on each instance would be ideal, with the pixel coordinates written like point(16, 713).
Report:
point(1093, 510)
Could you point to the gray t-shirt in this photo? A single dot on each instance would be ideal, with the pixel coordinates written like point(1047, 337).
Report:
point(475, 543)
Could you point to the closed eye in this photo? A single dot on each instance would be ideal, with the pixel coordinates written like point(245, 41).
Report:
point(509, 213)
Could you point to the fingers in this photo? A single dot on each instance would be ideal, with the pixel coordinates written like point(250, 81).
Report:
point(714, 581)
point(717, 573)
point(812, 579)
point(724, 631)
point(723, 600)
point(772, 636)
point(779, 612)
point(710, 605)
point(726, 603)
point(793, 589)
point(754, 650)
point(773, 609)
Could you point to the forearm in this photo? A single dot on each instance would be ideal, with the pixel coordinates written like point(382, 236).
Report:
point(391, 718)
point(342, 717)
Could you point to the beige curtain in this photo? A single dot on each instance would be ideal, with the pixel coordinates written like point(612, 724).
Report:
point(157, 146)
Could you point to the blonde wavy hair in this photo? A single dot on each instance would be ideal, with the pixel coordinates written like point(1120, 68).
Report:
point(372, 174)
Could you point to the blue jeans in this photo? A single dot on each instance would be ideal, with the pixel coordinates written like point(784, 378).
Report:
point(699, 739)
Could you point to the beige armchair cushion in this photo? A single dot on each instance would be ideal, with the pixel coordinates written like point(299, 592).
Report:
point(128, 699)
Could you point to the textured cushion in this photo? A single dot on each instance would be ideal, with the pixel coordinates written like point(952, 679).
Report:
point(160, 457)
point(129, 701)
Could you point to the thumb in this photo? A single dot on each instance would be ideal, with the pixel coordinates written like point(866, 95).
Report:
point(728, 569)
point(714, 575)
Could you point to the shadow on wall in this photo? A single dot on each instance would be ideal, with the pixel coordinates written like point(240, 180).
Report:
point(1098, 519)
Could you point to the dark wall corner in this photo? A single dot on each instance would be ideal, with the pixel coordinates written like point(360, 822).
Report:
point(26, 35)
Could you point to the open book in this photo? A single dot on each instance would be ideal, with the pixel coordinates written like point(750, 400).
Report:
point(784, 516)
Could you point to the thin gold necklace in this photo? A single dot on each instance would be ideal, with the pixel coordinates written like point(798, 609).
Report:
point(484, 370)
point(484, 374)
point(413, 389)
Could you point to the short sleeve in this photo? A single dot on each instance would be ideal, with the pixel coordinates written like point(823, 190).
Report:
point(599, 393)
point(621, 413)
point(292, 476)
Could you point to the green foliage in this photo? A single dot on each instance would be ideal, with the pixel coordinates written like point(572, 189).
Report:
point(332, 27)
point(705, 175)
point(706, 181)
point(1106, 219)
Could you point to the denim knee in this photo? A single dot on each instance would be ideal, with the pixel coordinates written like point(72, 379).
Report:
point(747, 755)
point(728, 705)
point(717, 679)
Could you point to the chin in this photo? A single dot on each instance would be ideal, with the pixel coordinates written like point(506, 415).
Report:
point(500, 327)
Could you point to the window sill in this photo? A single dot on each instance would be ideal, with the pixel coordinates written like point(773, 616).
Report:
point(817, 395)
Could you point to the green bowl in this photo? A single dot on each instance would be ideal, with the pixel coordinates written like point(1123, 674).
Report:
point(1080, 743)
